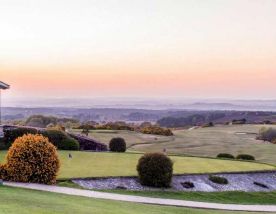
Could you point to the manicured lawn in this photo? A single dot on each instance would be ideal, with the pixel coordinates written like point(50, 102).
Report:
point(95, 164)
point(234, 197)
point(16, 200)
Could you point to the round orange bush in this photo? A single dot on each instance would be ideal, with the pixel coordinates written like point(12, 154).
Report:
point(32, 158)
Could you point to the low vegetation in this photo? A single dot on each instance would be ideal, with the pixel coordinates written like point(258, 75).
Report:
point(119, 125)
point(117, 145)
point(31, 158)
point(210, 124)
point(43, 121)
point(239, 121)
point(61, 140)
point(156, 130)
point(57, 137)
point(225, 155)
point(218, 179)
point(245, 157)
point(11, 134)
point(155, 169)
point(267, 134)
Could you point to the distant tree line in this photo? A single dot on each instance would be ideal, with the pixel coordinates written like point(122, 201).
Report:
point(192, 120)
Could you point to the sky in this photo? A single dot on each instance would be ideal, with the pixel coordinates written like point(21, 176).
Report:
point(145, 48)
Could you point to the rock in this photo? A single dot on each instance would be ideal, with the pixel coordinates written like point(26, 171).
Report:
point(260, 185)
point(121, 187)
point(188, 185)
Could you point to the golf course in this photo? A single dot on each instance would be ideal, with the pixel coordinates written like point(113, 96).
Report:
point(192, 151)
point(105, 164)
point(207, 142)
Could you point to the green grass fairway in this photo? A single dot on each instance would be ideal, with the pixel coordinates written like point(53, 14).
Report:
point(214, 140)
point(16, 200)
point(95, 164)
point(87, 164)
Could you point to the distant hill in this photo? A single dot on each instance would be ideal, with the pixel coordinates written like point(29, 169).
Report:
point(218, 117)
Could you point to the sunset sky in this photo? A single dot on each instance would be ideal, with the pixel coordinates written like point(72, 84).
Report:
point(143, 48)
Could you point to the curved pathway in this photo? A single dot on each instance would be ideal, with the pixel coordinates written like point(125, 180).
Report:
point(145, 200)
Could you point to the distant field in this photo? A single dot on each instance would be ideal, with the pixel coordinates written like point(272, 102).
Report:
point(105, 164)
point(234, 139)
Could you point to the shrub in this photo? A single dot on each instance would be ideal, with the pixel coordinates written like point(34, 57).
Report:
point(85, 132)
point(239, 121)
point(218, 179)
point(117, 145)
point(225, 155)
point(267, 134)
point(69, 144)
point(188, 185)
point(3, 171)
point(86, 127)
point(245, 157)
point(10, 134)
point(61, 140)
point(210, 124)
point(2, 144)
point(119, 125)
point(31, 158)
point(156, 130)
point(155, 169)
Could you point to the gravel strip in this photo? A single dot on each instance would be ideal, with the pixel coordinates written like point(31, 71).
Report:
point(237, 182)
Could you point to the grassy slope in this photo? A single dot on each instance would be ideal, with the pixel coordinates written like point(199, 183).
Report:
point(130, 137)
point(15, 200)
point(89, 164)
point(234, 197)
point(214, 140)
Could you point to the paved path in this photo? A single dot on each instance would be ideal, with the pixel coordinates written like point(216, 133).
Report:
point(145, 200)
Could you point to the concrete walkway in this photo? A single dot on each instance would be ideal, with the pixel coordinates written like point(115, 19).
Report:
point(144, 200)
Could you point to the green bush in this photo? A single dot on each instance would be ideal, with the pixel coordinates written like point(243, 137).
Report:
point(117, 144)
point(267, 134)
point(239, 121)
point(61, 140)
point(155, 169)
point(225, 155)
point(218, 179)
point(69, 144)
point(210, 124)
point(10, 134)
point(2, 144)
point(245, 157)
